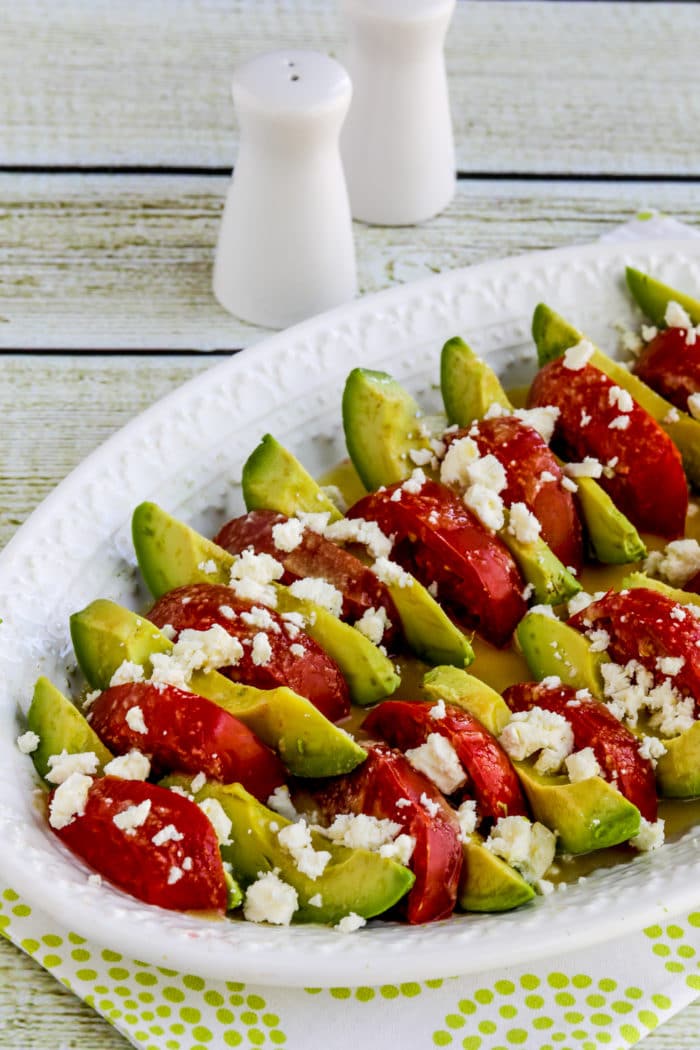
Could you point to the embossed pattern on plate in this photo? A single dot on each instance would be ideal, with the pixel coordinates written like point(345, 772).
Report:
point(187, 452)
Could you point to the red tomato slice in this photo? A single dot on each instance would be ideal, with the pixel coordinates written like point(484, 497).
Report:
point(670, 366)
point(387, 787)
point(308, 671)
point(647, 481)
point(186, 733)
point(492, 781)
point(614, 746)
point(526, 457)
point(439, 540)
point(315, 556)
point(160, 875)
point(640, 627)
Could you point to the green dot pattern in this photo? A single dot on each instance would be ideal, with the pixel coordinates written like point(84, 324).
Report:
point(158, 1008)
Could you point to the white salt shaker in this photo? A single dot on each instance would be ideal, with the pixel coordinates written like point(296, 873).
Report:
point(397, 143)
point(285, 249)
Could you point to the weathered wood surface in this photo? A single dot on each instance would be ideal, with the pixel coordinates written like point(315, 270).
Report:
point(535, 87)
point(124, 262)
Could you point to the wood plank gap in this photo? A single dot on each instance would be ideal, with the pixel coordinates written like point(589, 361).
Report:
point(71, 352)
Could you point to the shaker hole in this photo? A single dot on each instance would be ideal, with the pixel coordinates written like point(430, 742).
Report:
point(295, 77)
point(290, 63)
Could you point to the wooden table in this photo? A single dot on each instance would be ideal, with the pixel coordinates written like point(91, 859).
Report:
point(116, 138)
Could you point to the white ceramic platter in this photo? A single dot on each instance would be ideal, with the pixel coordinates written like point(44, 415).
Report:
point(186, 452)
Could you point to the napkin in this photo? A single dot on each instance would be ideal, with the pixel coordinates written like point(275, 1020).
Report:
point(606, 996)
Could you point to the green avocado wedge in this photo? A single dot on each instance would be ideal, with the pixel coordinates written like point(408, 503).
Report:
point(551, 647)
point(469, 388)
point(105, 634)
point(678, 771)
point(60, 727)
point(553, 337)
point(587, 815)
point(464, 690)
point(487, 883)
point(171, 554)
point(354, 880)
point(428, 631)
point(383, 428)
point(640, 579)
point(653, 297)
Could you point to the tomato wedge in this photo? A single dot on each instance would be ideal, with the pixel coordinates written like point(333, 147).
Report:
point(670, 366)
point(646, 478)
point(307, 670)
point(492, 780)
point(314, 556)
point(440, 541)
point(185, 733)
point(183, 873)
point(534, 478)
point(387, 787)
point(614, 746)
point(647, 626)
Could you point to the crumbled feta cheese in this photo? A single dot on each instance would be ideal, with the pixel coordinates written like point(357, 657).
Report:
point(547, 475)
point(489, 472)
point(359, 831)
point(95, 880)
point(262, 618)
point(421, 456)
point(196, 651)
point(454, 469)
point(269, 899)
point(208, 567)
point(620, 398)
point(127, 672)
point(132, 817)
point(544, 610)
point(168, 833)
point(581, 601)
point(429, 805)
point(28, 742)
point(296, 839)
point(438, 710)
point(316, 901)
point(227, 612)
point(280, 800)
point(319, 591)
point(287, 535)
point(650, 836)
point(652, 749)
point(538, 730)
point(599, 639)
point(468, 818)
point(676, 316)
point(391, 574)
point(169, 631)
point(694, 405)
point(543, 419)
point(134, 720)
point(373, 623)
point(569, 485)
point(69, 800)
point(672, 416)
point(439, 761)
point(552, 681)
point(670, 665)
point(525, 846)
point(214, 811)
point(523, 524)
point(350, 923)
point(62, 766)
point(676, 563)
point(297, 650)
point(317, 521)
point(487, 505)
point(401, 849)
point(649, 332)
point(133, 766)
point(262, 650)
point(415, 483)
point(359, 530)
point(672, 713)
point(252, 577)
point(582, 765)
point(589, 467)
point(578, 356)
point(403, 803)
point(585, 418)
point(174, 875)
point(198, 783)
point(619, 423)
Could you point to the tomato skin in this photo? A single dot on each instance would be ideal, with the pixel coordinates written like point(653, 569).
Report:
point(640, 627)
point(315, 556)
point(648, 483)
point(671, 367)
point(375, 788)
point(614, 746)
point(188, 734)
point(314, 675)
point(133, 863)
point(439, 540)
point(525, 455)
point(491, 778)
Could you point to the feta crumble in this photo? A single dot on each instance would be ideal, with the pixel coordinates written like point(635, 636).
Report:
point(373, 623)
point(487, 505)
point(350, 923)
point(319, 591)
point(391, 574)
point(359, 530)
point(523, 524)
point(538, 730)
point(589, 467)
point(280, 801)
point(582, 765)
point(676, 316)
point(468, 818)
point(62, 766)
point(296, 840)
point(694, 405)
point(221, 823)
point(454, 469)
point(622, 399)
point(196, 651)
point(679, 560)
point(126, 673)
point(133, 817)
point(69, 800)
point(360, 831)
point(527, 847)
point(269, 899)
point(650, 836)
point(439, 761)
point(168, 833)
point(578, 356)
point(28, 742)
point(287, 535)
point(543, 419)
point(262, 650)
point(132, 766)
point(429, 805)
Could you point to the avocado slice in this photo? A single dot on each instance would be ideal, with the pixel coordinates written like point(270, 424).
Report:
point(428, 630)
point(553, 336)
point(274, 479)
point(171, 554)
point(383, 426)
point(653, 297)
point(354, 880)
point(464, 690)
point(551, 647)
point(105, 634)
point(614, 539)
point(60, 727)
point(469, 387)
point(587, 815)
point(487, 883)
point(678, 771)
point(639, 579)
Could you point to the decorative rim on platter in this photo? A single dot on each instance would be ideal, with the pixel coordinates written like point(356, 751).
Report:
point(187, 452)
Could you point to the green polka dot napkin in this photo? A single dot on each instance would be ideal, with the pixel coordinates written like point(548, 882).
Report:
point(607, 996)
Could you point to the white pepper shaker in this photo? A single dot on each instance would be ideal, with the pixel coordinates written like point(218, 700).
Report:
point(397, 143)
point(285, 249)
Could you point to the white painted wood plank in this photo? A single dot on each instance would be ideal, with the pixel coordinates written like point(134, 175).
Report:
point(124, 262)
point(536, 86)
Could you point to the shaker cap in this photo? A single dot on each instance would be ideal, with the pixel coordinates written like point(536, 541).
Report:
point(291, 82)
point(399, 10)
